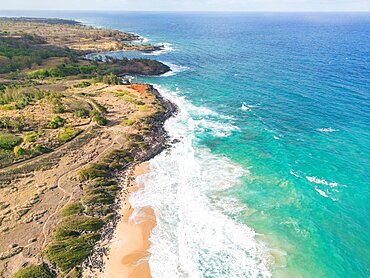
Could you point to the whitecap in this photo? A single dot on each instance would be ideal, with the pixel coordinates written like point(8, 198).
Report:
point(248, 107)
point(324, 194)
point(321, 181)
point(326, 130)
point(245, 107)
point(294, 174)
point(321, 192)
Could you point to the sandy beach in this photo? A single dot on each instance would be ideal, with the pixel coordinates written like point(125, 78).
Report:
point(128, 251)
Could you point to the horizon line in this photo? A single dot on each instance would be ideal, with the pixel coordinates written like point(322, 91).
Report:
point(188, 11)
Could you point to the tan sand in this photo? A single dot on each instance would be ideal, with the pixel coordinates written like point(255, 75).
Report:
point(128, 250)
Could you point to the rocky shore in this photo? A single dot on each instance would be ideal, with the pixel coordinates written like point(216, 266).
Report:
point(159, 141)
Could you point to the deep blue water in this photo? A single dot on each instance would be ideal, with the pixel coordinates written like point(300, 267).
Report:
point(290, 102)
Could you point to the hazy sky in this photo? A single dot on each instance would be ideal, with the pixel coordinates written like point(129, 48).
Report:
point(189, 5)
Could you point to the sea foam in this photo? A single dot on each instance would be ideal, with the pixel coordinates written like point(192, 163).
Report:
point(326, 130)
point(167, 48)
point(194, 236)
point(174, 69)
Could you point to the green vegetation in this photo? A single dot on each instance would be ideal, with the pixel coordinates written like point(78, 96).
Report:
point(72, 251)
point(127, 66)
point(19, 151)
point(6, 157)
point(82, 113)
point(73, 239)
point(58, 106)
point(8, 141)
point(12, 123)
point(143, 108)
point(83, 84)
point(56, 122)
point(34, 271)
point(94, 171)
point(77, 224)
point(31, 137)
point(100, 108)
point(111, 79)
point(128, 122)
point(64, 71)
point(26, 50)
point(121, 94)
point(68, 134)
point(72, 209)
point(98, 117)
point(18, 98)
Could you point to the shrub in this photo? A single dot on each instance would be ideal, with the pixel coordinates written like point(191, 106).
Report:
point(83, 84)
point(68, 134)
point(58, 106)
point(38, 149)
point(118, 159)
point(73, 239)
point(98, 118)
point(8, 141)
point(81, 224)
point(143, 109)
point(7, 107)
point(69, 253)
point(34, 271)
point(30, 137)
point(94, 171)
point(56, 122)
point(12, 123)
point(6, 157)
point(18, 151)
point(72, 209)
point(82, 113)
point(39, 74)
point(128, 122)
point(111, 79)
point(101, 199)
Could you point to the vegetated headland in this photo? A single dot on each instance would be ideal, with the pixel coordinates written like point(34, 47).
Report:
point(70, 134)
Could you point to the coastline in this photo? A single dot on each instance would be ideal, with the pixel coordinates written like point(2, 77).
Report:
point(123, 248)
point(105, 129)
point(128, 250)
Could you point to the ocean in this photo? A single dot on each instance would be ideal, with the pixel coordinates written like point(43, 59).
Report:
point(270, 177)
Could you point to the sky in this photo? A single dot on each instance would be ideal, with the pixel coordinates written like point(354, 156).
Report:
point(189, 5)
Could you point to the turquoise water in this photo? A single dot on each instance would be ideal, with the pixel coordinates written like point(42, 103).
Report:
point(275, 132)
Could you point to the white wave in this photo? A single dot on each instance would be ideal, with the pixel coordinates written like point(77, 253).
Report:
point(217, 129)
point(193, 236)
point(247, 107)
point(322, 193)
point(326, 130)
point(167, 48)
point(141, 39)
point(294, 174)
point(321, 181)
point(174, 69)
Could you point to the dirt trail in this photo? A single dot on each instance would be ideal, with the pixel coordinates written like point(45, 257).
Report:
point(67, 194)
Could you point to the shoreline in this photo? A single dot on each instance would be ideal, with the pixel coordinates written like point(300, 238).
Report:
point(122, 233)
point(129, 248)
